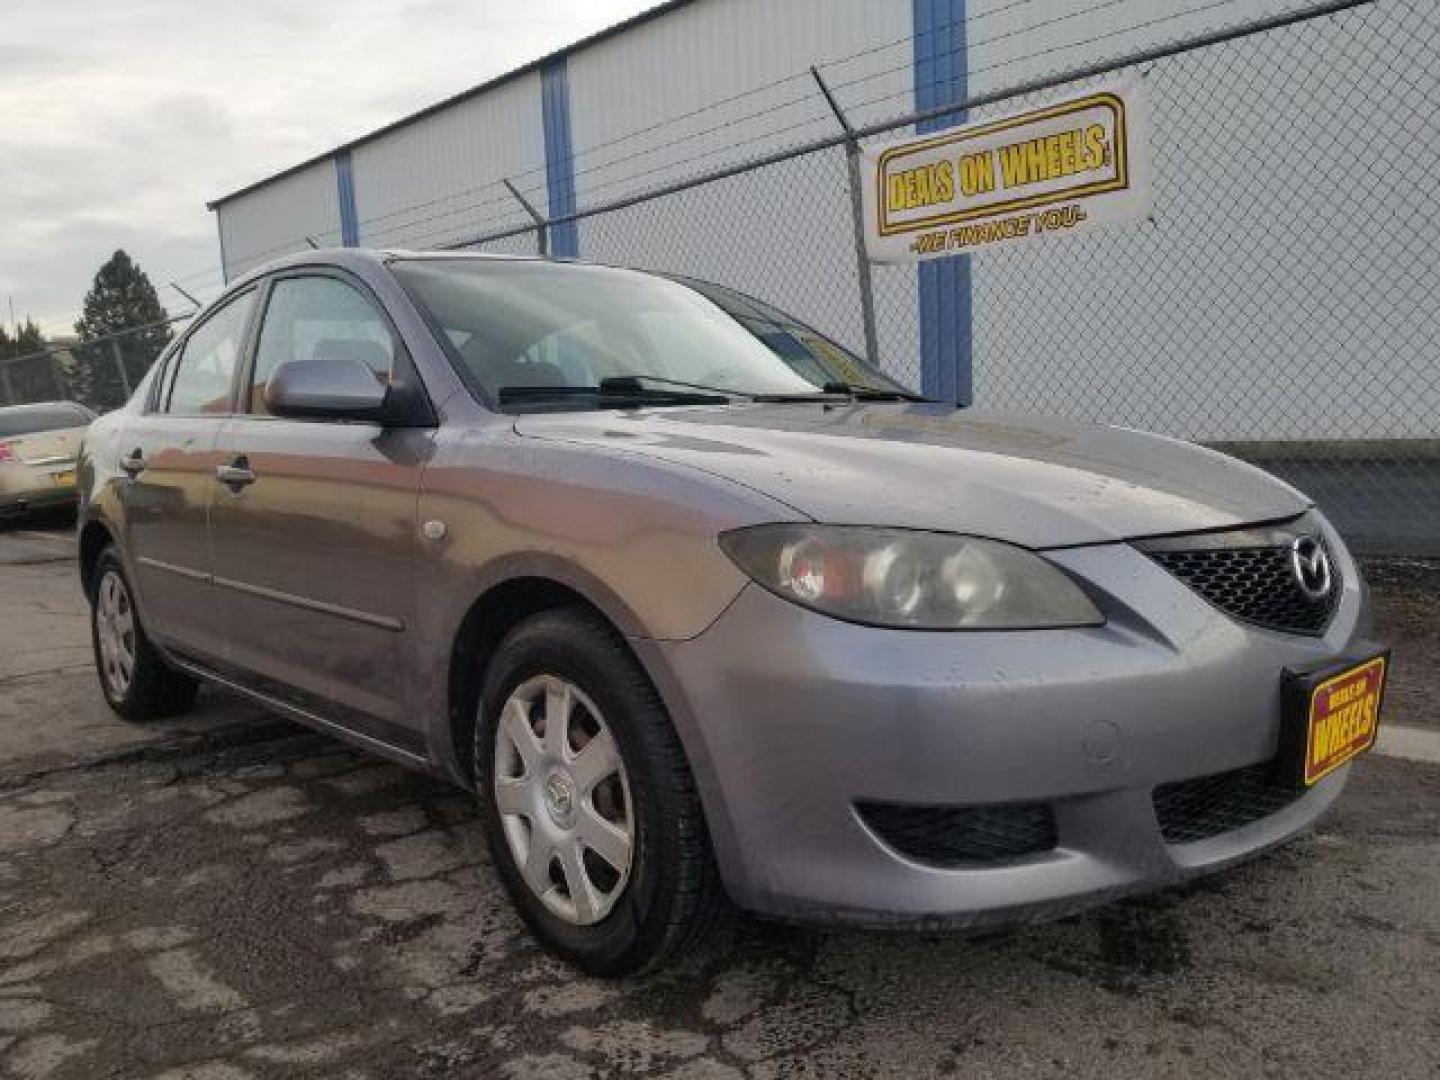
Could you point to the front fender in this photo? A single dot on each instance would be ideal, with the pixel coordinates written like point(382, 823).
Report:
point(634, 537)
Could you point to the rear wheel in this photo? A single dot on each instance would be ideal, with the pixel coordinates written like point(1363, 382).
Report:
point(587, 799)
point(137, 682)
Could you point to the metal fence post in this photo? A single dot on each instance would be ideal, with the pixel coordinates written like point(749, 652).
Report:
point(57, 376)
point(857, 212)
point(541, 225)
point(120, 366)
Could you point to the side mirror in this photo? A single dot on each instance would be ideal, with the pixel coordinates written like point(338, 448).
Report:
point(327, 388)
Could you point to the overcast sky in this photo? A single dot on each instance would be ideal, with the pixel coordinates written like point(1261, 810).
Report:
point(119, 120)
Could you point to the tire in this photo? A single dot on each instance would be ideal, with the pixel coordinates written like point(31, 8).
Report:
point(153, 688)
point(669, 896)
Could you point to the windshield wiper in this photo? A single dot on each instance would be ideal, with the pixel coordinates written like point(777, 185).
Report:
point(630, 391)
point(630, 383)
point(871, 393)
point(824, 393)
point(608, 396)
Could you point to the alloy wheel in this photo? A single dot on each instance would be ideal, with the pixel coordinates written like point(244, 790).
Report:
point(115, 632)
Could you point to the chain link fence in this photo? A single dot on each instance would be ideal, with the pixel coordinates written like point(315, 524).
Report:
point(1282, 303)
point(99, 374)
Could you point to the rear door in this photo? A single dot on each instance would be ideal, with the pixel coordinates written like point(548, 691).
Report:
point(168, 454)
point(316, 545)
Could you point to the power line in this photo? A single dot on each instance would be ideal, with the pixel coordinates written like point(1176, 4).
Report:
point(604, 166)
point(1018, 32)
point(1015, 61)
point(657, 126)
point(615, 163)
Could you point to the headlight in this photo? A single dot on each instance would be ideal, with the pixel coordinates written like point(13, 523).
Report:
point(903, 578)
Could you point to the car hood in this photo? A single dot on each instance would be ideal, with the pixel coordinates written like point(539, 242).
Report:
point(1035, 481)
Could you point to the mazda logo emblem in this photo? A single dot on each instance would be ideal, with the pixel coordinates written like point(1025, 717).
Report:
point(1311, 565)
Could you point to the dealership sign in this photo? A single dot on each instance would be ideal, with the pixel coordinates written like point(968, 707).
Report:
point(1067, 167)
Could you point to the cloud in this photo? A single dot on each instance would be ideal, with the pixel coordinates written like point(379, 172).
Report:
point(121, 120)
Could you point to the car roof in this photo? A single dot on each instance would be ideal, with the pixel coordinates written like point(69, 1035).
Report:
point(362, 259)
point(351, 256)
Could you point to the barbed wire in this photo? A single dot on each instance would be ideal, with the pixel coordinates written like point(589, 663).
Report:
point(534, 190)
point(103, 339)
point(506, 224)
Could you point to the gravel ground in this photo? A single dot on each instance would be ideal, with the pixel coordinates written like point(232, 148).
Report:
point(1406, 597)
point(232, 896)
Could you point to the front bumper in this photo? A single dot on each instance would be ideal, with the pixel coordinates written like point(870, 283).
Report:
point(792, 719)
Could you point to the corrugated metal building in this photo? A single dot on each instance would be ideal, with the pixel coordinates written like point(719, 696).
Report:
point(694, 85)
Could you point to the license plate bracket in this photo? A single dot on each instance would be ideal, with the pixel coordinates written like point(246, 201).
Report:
point(1331, 715)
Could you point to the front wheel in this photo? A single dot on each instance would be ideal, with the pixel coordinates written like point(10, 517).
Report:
point(136, 681)
point(587, 800)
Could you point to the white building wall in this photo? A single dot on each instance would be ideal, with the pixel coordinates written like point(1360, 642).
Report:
point(275, 219)
point(435, 181)
point(1268, 297)
point(723, 81)
point(1272, 282)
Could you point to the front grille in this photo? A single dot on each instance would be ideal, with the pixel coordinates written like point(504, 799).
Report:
point(1256, 584)
point(961, 836)
point(1207, 806)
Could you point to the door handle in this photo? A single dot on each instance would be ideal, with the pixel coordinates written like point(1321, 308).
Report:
point(236, 475)
point(133, 464)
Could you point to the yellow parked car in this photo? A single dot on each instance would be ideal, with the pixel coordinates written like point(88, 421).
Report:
point(38, 447)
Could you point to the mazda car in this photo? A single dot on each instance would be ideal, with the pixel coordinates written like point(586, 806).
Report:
point(708, 612)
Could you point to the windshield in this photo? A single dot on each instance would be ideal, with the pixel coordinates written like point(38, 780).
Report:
point(808, 351)
point(515, 324)
point(30, 419)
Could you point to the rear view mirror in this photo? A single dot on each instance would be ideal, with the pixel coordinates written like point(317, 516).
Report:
point(323, 387)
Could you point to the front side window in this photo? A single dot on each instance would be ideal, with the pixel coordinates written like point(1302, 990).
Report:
point(319, 318)
point(522, 325)
point(204, 369)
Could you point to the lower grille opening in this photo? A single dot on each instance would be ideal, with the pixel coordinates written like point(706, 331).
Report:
point(1190, 810)
point(963, 836)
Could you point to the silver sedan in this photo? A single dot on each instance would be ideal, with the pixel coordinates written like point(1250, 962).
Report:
point(701, 606)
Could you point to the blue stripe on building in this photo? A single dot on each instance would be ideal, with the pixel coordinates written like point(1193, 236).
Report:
point(559, 156)
point(945, 334)
point(345, 188)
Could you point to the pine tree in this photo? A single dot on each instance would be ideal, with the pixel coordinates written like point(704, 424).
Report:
point(30, 373)
point(121, 299)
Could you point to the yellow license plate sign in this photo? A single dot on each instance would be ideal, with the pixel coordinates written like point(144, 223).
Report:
point(64, 479)
point(1343, 718)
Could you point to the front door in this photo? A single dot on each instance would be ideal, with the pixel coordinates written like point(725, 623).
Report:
point(168, 458)
point(314, 533)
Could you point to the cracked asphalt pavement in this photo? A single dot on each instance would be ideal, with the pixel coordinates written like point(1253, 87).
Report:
point(231, 896)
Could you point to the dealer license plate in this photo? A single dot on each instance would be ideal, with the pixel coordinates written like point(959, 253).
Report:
point(1334, 717)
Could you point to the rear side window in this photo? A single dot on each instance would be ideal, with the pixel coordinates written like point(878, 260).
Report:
point(319, 317)
point(29, 419)
point(204, 370)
